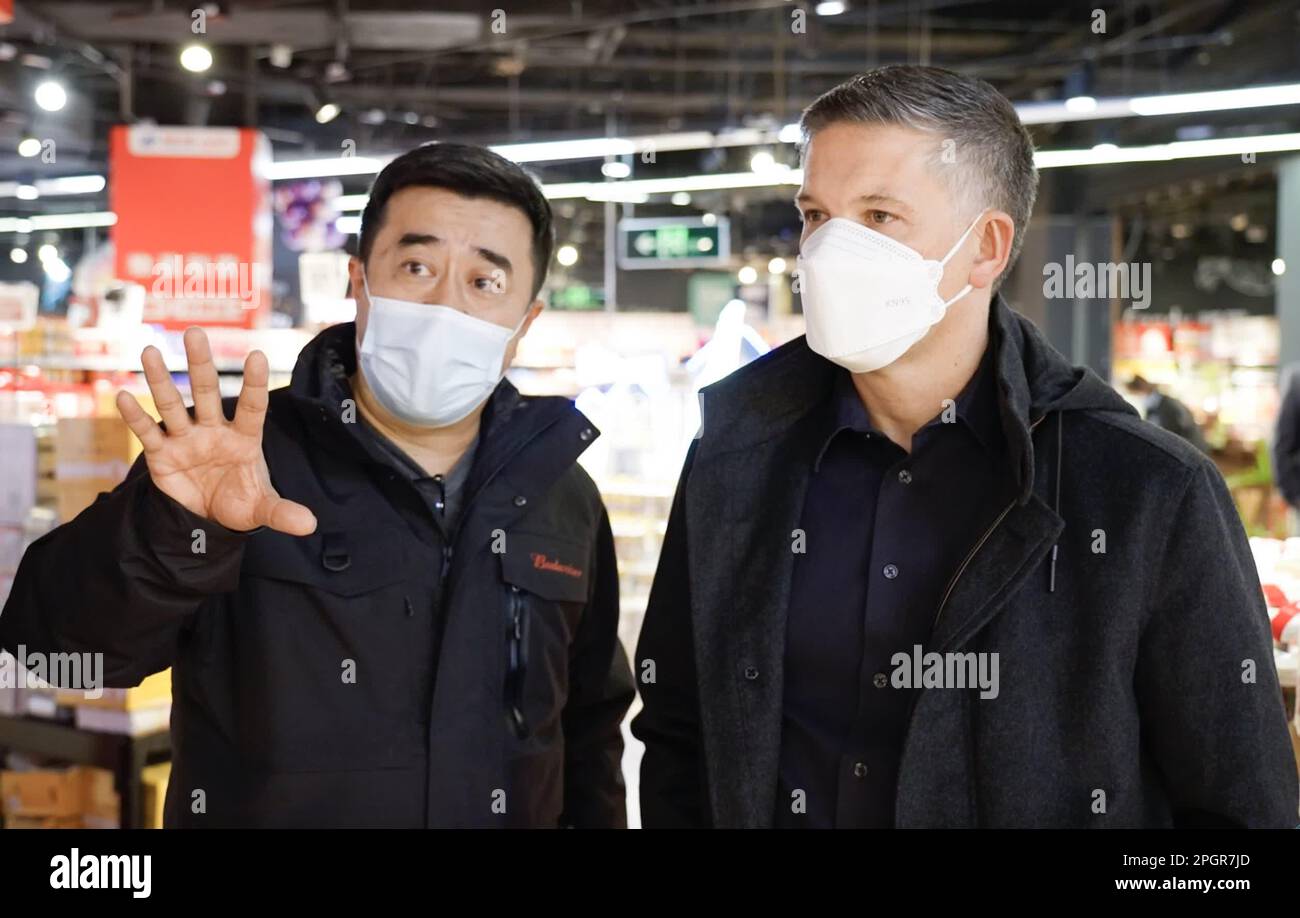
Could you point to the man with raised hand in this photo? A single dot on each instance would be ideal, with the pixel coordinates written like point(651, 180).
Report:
point(387, 592)
point(919, 570)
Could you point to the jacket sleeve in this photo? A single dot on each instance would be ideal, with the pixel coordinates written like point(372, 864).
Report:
point(1207, 688)
point(673, 787)
point(600, 692)
point(121, 579)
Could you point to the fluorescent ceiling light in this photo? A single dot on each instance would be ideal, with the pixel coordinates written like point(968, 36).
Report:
point(1218, 100)
point(71, 184)
point(68, 184)
point(1105, 154)
point(324, 168)
point(639, 189)
point(57, 222)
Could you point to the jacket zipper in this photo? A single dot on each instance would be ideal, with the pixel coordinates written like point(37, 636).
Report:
point(516, 662)
point(974, 551)
point(907, 731)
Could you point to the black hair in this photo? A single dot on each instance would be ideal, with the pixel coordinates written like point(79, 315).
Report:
point(470, 171)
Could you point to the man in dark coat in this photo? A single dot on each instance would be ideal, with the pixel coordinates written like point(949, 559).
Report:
point(920, 571)
point(1163, 410)
point(387, 593)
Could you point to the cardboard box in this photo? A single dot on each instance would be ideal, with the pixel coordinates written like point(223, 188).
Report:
point(40, 793)
point(153, 691)
point(44, 822)
point(101, 448)
point(59, 794)
point(72, 495)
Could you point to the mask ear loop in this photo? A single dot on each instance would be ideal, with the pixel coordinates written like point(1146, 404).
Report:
point(953, 251)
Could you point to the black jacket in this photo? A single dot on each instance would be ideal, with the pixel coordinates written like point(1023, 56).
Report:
point(1286, 438)
point(262, 630)
point(1137, 685)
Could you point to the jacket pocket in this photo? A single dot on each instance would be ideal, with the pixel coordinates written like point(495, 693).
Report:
point(328, 655)
point(546, 584)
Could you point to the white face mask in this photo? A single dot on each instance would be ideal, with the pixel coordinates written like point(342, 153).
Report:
point(866, 297)
point(430, 365)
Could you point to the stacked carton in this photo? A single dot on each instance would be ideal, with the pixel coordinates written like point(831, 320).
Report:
point(72, 798)
point(133, 712)
point(91, 455)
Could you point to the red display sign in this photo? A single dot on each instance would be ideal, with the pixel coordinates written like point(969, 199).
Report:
point(194, 222)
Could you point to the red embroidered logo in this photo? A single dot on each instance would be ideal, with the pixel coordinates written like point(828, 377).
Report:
point(543, 563)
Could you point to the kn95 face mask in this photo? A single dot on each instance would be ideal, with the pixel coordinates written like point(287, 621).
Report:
point(867, 298)
point(430, 365)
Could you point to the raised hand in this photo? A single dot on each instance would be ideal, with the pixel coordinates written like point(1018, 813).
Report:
point(211, 466)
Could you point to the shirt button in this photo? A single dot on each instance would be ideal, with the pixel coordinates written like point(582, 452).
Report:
point(904, 476)
point(879, 680)
point(890, 571)
point(520, 500)
point(586, 434)
point(859, 769)
point(751, 673)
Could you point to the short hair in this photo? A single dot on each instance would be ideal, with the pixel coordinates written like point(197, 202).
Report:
point(994, 153)
point(470, 171)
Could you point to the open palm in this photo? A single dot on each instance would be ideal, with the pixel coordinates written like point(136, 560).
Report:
point(212, 467)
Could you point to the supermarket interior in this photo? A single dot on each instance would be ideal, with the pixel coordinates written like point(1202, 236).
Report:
point(173, 164)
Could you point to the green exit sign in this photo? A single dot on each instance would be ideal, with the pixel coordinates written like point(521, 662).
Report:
point(669, 242)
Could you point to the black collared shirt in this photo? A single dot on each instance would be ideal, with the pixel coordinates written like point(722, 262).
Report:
point(884, 532)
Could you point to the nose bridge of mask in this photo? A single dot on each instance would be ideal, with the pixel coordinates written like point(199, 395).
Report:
point(455, 314)
point(852, 238)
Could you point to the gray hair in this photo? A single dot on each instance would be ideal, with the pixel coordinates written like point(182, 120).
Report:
point(977, 128)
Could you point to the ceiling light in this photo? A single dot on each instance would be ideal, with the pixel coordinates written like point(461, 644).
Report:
point(18, 255)
point(281, 56)
point(776, 265)
point(1279, 267)
point(829, 8)
point(615, 170)
point(195, 58)
point(1081, 104)
point(327, 113)
point(1217, 100)
point(567, 255)
point(50, 95)
point(681, 198)
point(747, 275)
point(29, 146)
point(56, 222)
point(26, 193)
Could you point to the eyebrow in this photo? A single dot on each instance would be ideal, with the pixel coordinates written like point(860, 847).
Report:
point(888, 200)
point(496, 258)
